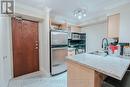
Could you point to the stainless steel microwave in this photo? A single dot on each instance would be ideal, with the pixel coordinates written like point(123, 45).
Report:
point(75, 36)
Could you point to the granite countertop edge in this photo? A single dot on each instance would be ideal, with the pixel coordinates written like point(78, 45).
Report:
point(98, 70)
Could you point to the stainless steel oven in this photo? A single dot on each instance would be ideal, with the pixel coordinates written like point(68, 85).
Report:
point(59, 50)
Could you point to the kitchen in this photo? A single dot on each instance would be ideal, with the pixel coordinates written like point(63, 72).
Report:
point(62, 45)
point(66, 44)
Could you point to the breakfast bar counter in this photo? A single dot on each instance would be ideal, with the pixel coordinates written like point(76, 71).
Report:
point(88, 70)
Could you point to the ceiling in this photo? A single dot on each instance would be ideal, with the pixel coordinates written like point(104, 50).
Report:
point(62, 10)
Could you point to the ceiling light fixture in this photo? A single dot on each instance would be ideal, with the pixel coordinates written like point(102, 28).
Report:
point(80, 13)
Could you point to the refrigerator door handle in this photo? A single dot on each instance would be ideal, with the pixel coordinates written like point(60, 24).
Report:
point(59, 48)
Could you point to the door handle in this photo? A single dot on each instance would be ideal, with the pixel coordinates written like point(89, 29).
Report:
point(36, 44)
point(36, 48)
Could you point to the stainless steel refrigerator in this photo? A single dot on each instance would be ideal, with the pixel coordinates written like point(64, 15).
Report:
point(59, 50)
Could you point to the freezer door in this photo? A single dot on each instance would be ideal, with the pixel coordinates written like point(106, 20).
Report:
point(58, 60)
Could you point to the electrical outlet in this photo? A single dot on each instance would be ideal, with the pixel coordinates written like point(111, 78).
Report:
point(4, 57)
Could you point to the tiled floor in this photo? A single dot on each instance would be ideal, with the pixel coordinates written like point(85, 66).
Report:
point(40, 81)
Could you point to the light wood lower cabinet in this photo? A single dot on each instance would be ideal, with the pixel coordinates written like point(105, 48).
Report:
point(81, 76)
point(75, 29)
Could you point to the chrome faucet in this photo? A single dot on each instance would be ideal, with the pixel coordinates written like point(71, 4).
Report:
point(105, 45)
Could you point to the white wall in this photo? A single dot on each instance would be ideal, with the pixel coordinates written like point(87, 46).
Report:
point(1, 58)
point(29, 12)
point(125, 25)
point(95, 33)
point(44, 44)
point(5, 50)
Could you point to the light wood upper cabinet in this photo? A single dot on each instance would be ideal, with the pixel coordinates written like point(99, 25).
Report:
point(64, 26)
point(75, 29)
point(113, 25)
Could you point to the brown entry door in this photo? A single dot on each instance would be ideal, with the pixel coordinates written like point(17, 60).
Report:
point(25, 47)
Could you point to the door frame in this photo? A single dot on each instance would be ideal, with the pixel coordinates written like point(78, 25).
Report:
point(11, 45)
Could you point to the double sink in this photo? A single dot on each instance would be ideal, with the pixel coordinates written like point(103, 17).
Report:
point(102, 53)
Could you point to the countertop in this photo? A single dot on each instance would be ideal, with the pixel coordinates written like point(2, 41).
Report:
point(111, 66)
